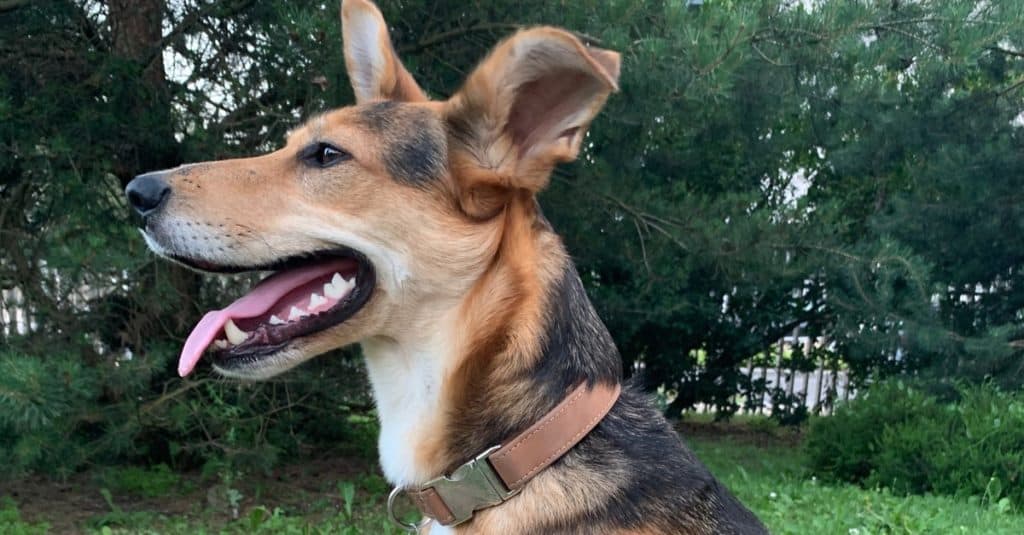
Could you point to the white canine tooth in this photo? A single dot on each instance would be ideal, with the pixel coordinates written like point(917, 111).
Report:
point(337, 280)
point(315, 300)
point(220, 344)
point(334, 291)
point(235, 335)
point(350, 284)
point(296, 313)
point(274, 320)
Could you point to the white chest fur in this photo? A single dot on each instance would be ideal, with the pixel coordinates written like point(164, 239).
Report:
point(438, 529)
point(406, 381)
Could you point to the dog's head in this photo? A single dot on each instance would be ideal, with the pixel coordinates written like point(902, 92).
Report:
point(376, 215)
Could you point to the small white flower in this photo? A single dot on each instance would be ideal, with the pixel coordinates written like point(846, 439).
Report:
point(772, 495)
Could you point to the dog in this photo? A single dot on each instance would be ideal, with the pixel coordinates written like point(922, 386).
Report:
point(411, 227)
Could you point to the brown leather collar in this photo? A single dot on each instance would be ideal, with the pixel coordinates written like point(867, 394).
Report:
point(501, 472)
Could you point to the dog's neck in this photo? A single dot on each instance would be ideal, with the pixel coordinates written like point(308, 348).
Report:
point(489, 367)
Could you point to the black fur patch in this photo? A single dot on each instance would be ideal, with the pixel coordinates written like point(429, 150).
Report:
point(667, 487)
point(577, 344)
point(414, 147)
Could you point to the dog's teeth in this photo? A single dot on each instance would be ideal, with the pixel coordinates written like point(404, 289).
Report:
point(274, 320)
point(235, 335)
point(296, 313)
point(220, 344)
point(315, 300)
point(338, 281)
point(333, 290)
point(350, 284)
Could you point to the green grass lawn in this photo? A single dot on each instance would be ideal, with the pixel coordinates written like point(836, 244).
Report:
point(769, 477)
point(772, 482)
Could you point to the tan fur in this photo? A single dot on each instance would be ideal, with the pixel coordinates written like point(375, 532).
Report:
point(490, 154)
point(388, 81)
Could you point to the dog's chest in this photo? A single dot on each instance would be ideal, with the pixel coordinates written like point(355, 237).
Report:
point(438, 529)
point(407, 389)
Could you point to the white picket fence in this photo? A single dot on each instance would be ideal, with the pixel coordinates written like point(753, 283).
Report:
point(818, 390)
point(15, 317)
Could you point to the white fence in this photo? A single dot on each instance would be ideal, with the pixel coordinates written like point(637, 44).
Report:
point(15, 318)
point(817, 390)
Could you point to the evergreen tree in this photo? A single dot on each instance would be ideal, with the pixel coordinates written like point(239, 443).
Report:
point(852, 168)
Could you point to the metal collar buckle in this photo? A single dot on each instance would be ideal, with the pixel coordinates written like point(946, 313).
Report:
point(471, 487)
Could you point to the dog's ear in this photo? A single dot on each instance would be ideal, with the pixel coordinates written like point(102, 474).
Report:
point(373, 67)
point(523, 110)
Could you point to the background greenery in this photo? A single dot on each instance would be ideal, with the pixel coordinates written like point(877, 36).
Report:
point(752, 457)
point(900, 437)
point(853, 168)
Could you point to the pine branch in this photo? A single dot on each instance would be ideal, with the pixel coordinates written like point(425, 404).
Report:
point(191, 21)
point(912, 36)
point(1008, 52)
point(444, 37)
point(168, 396)
point(725, 55)
point(11, 5)
point(1015, 85)
point(647, 220)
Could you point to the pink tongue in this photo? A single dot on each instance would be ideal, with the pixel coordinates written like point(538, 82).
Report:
point(251, 305)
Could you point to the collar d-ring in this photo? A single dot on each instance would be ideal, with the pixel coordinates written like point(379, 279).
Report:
point(409, 527)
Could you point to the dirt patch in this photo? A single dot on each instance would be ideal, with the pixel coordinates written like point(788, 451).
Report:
point(738, 433)
point(307, 488)
point(61, 504)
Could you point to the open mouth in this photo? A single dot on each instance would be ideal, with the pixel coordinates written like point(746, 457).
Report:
point(304, 296)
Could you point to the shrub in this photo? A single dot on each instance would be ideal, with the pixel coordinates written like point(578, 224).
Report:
point(900, 437)
point(42, 403)
point(149, 482)
point(844, 445)
point(60, 414)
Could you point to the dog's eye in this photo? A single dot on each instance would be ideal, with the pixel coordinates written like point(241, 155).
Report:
point(323, 155)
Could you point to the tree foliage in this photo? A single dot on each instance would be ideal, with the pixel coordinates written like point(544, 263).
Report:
point(852, 168)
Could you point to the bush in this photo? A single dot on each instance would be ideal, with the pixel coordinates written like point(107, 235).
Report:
point(900, 437)
point(61, 414)
point(148, 482)
point(42, 404)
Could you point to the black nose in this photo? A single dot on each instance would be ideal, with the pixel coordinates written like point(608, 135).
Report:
point(146, 193)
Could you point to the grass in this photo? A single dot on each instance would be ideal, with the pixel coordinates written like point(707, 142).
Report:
point(772, 481)
point(763, 467)
point(11, 522)
point(150, 482)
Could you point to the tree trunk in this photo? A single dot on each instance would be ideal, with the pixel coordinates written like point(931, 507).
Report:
point(135, 26)
point(136, 29)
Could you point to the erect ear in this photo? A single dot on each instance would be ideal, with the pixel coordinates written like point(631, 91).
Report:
point(374, 69)
point(522, 111)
